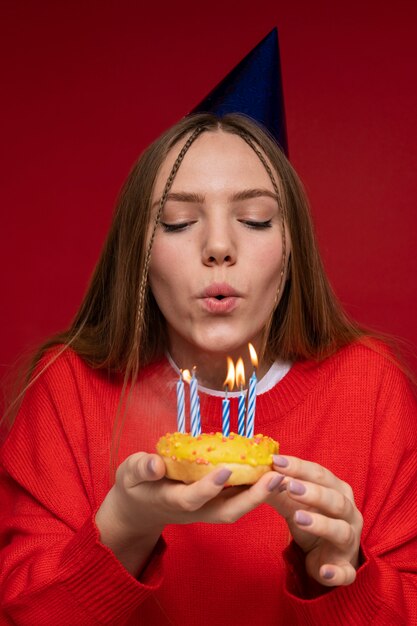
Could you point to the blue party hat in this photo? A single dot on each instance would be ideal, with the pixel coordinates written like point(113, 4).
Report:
point(253, 87)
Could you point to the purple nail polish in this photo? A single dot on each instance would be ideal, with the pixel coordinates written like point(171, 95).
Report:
point(274, 482)
point(280, 461)
point(151, 466)
point(328, 574)
point(303, 518)
point(222, 476)
point(296, 488)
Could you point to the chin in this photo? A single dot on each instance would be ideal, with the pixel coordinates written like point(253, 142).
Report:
point(228, 345)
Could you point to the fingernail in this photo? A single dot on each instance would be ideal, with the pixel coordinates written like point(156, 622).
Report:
point(280, 461)
point(303, 518)
point(151, 466)
point(296, 488)
point(328, 574)
point(274, 482)
point(222, 476)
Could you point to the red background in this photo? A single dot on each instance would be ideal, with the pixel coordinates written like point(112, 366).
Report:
point(87, 85)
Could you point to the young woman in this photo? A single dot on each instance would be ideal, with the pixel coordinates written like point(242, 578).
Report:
point(211, 248)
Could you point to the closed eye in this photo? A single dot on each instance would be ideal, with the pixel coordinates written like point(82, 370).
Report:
point(257, 225)
point(172, 228)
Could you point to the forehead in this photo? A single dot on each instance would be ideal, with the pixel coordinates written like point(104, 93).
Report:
point(215, 160)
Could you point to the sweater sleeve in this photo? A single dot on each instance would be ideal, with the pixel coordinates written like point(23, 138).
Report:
point(385, 589)
point(53, 567)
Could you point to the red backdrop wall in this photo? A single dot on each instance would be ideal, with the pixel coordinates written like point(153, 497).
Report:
point(87, 85)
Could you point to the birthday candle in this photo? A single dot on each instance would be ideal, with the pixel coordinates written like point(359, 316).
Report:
point(198, 416)
point(241, 414)
point(228, 386)
point(240, 381)
point(226, 415)
point(194, 407)
point(180, 405)
point(250, 424)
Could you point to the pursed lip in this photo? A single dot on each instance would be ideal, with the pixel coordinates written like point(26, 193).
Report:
point(220, 289)
point(220, 298)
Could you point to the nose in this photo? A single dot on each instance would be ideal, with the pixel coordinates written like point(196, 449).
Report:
point(219, 246)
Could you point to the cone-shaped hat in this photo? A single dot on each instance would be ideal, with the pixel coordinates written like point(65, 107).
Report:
point(253, 87)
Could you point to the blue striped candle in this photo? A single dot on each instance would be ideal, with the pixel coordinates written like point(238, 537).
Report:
point(240, 382)
point(180, 405)
point(241, 414)
point(194, 407)
point(198, 416)
point(250, 423)
point(226, 415)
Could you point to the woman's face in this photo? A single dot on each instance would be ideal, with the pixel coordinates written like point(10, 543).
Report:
point(218, 252)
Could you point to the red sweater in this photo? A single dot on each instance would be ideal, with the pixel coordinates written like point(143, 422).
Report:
point(354, 413)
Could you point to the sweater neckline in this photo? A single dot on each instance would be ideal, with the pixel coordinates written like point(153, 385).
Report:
point(276, 402)
point(275, 373)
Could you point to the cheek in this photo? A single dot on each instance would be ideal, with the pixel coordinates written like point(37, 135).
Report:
point(166, 271)
point(267, 261)
point(266, 266)
point(158, 266)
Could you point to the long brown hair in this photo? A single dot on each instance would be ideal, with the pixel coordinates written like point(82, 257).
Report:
point(119, 325)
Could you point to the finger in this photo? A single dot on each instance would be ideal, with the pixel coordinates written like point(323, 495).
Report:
point(331, 502)
point(338, 532)
point(139, 468)
point(193, 496)
point(304, 470)
point(336, 575)
point(244, 497)
point(313, 472)
point(232, 508)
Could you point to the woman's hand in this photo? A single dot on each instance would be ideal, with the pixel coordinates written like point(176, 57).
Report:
point(322, 517)
point(141, 502)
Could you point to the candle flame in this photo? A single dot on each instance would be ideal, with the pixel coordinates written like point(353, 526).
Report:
point(230, 378)
point(240, 373)
point(186, 374)
point(253, 355)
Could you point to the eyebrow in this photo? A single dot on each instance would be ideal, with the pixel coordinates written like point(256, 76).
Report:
point(245, 194)
point(248, 194)
point(181, 196)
